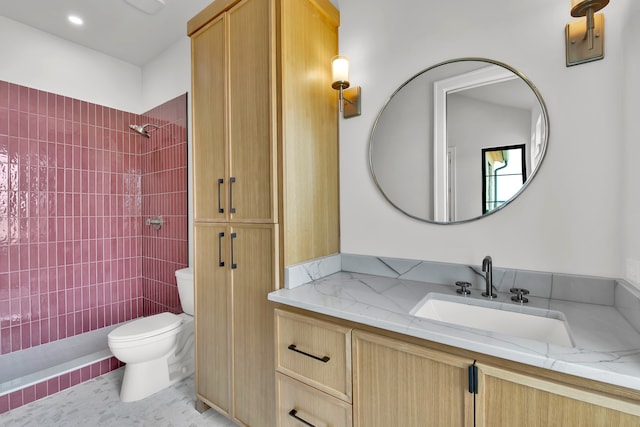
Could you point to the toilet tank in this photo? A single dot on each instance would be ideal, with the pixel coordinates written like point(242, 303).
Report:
point(184, 277)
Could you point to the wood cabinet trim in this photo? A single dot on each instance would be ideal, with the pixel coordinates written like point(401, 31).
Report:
point(208, 13)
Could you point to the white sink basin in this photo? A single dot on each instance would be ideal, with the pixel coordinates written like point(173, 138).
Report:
point(503, 318)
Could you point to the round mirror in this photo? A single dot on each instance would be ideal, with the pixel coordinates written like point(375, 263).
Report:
point(458, 140)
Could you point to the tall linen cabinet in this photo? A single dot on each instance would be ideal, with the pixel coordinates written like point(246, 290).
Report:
point(265, 169)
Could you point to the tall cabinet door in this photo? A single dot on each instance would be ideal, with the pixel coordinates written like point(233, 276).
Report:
point(251, 124)
point(212, 296)
point(209, 122)
point(400, 384)
point(253, 277)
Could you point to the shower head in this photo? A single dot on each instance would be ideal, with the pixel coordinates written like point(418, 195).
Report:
point(142, 130)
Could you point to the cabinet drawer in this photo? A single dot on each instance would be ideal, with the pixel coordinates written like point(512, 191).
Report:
point(299, 404)
point(315, 352)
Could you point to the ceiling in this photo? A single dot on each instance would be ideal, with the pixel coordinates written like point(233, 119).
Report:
point(113, 27)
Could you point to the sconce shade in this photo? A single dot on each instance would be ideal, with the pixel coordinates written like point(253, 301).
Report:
point(340, 69)
point(581, 7)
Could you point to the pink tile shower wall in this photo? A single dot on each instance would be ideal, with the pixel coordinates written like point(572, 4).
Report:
point(164, 193)
point(70, 209)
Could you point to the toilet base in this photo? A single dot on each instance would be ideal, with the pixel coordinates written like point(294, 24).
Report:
point(144, 379)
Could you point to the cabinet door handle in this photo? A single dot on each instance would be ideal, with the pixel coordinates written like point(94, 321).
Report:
point(232, 180)
point(220, 182)
point(233, 264)
point(220, 261)
point(323, 359)
point(293, 413)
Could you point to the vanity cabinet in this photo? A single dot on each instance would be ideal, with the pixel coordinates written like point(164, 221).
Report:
point(301, 405)
point(265, 169)
point(395, 383)
point(507, 398)
point(405, 381)
point(313, 364)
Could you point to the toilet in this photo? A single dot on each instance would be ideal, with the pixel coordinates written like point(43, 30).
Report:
point(158, 350)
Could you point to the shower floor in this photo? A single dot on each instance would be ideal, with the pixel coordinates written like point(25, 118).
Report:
point(36, 364)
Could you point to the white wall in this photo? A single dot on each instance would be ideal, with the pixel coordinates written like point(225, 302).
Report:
point(568, 219)
point(42, 61)
point(168, 75)
point(631, 154)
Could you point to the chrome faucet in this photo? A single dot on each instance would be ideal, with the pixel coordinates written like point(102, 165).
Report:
point(487, 267)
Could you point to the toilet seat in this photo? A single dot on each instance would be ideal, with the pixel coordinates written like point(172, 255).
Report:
point(145, 327)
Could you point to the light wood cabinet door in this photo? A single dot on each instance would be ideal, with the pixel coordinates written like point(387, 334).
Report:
point(253, 276)
point(235, 270)
point(212, 323)
point(299, 404)
point(210, 173)
point(252, 132)
point(233, 116)
point(507, 399)
point(401, 384)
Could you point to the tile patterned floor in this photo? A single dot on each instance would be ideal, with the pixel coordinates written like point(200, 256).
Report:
point(97, 403)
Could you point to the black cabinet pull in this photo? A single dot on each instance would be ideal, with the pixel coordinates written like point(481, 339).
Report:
point(293, 413)
point(220, 182)
point(232, 180)
point(233, 264)
point(220, 261)
point(324, 359)
point(473, 378)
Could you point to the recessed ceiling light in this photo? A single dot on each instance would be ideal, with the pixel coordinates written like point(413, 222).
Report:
point(75, 19)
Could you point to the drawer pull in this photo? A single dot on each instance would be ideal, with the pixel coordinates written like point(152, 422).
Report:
point(324, 359)
point(293, 413)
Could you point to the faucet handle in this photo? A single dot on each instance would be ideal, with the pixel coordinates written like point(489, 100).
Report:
point(464, 288)
point(519, 295)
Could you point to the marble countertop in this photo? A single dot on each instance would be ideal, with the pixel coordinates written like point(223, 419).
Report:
point(607, 347)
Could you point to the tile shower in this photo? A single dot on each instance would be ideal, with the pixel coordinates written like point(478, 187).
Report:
point(76, 185)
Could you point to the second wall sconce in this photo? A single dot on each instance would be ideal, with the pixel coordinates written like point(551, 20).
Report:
point(349, 97)
point(585, 37)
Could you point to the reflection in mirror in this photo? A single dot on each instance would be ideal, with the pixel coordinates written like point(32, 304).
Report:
point(427, 140)
point(504, 171)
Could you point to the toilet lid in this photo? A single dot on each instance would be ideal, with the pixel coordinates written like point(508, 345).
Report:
point(145, 327)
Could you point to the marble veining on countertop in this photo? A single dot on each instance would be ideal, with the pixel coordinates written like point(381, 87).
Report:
point(607, 346)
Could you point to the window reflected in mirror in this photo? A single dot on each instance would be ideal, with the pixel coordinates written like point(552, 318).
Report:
point(504, 172)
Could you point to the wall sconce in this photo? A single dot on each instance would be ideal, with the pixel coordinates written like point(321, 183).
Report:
point(585, 38)
point(349, 97)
